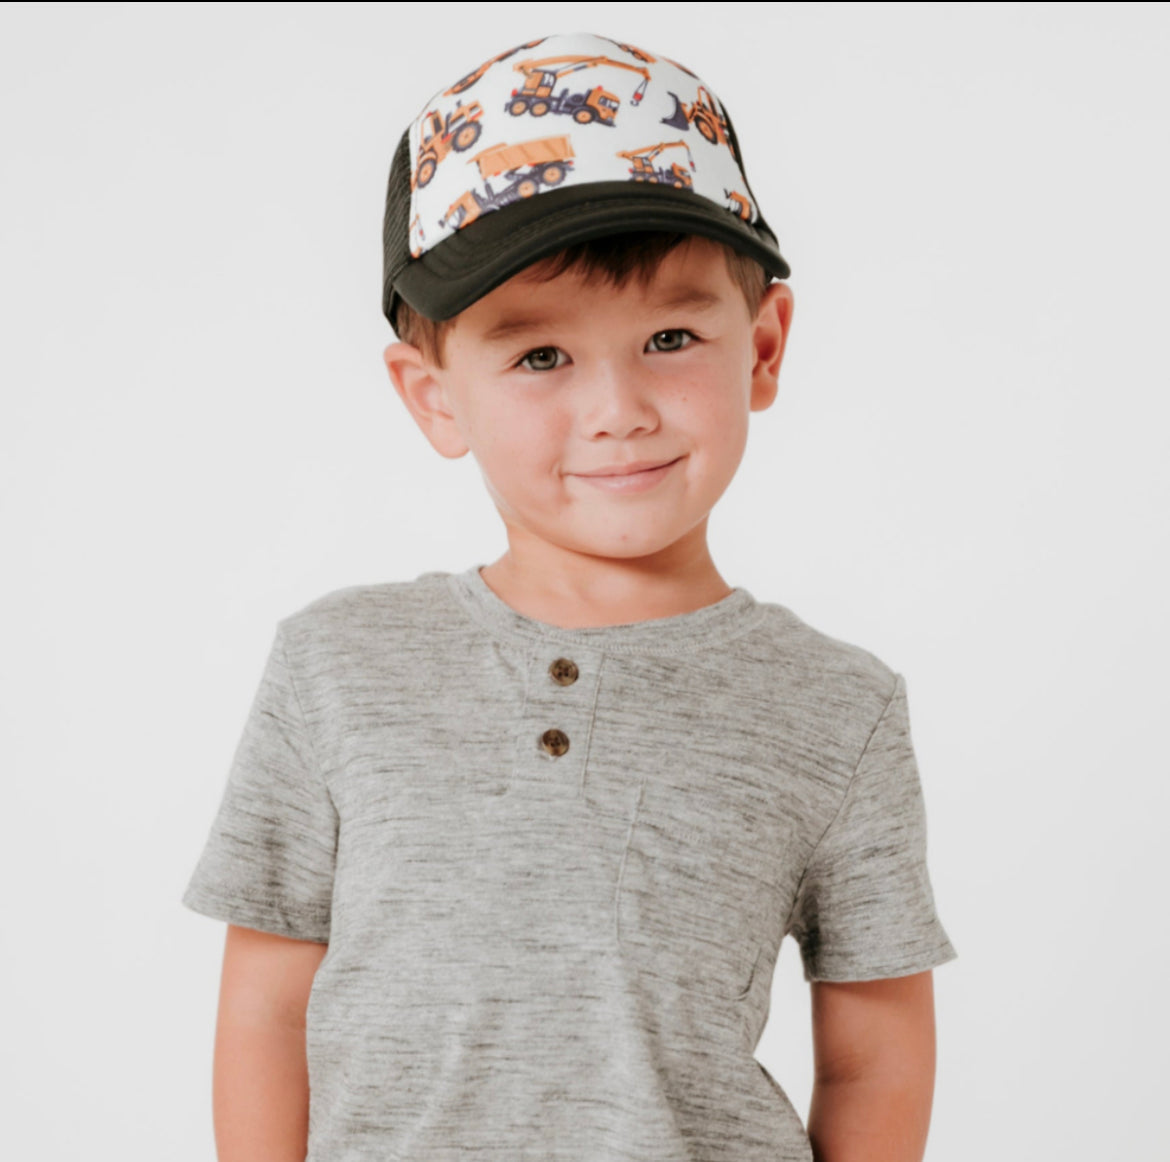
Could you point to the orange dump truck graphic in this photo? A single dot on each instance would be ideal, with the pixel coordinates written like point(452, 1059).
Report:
point(543, 151)
point(526, 167)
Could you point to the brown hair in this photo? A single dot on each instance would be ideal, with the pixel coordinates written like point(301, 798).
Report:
point(616, 258)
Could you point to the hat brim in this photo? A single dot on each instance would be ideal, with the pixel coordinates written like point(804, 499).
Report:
point(487, 252)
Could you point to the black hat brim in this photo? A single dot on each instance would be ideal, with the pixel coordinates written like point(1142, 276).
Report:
point(487, 252)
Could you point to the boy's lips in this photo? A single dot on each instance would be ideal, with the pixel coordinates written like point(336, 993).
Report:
point(629, 477)
point(628, 469)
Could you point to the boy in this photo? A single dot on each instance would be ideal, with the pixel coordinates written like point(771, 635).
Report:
point(507, 855)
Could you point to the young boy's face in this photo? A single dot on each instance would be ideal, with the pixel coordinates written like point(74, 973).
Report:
point(558, 386)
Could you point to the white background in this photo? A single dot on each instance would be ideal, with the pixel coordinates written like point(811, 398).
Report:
point(965, 472)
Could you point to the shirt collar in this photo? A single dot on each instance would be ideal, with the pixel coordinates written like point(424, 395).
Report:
point(711, 625)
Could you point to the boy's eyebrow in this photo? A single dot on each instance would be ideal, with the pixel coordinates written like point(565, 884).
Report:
point(692, 297)
point(513, 325)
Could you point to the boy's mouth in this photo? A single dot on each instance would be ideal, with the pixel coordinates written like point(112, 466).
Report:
point(635, 477)
point(630, 469)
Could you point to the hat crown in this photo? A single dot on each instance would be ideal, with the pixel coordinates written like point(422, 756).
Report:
point(564, 111)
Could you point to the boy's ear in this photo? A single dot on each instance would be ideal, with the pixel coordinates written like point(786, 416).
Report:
point(769, 338)
point(418, 385)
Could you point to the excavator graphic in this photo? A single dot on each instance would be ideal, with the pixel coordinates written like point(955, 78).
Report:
point(704, 114)
point(644, 170)
point(540, 78)
point(526, 167)
point(459, 130)
point(469, 80)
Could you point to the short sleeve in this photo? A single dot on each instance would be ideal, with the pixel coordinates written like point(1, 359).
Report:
point(864, 908)
point(269, 858)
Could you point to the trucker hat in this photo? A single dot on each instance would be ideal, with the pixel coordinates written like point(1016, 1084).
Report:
point(554, 142)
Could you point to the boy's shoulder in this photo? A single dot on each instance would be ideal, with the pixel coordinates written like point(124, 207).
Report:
point(813, 653)
point(811, 685)
point(342, 608)
point(346, 619)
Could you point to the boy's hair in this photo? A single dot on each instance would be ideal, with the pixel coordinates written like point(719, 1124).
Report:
point(616, 258)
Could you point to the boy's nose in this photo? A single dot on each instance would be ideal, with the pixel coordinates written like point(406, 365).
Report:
point(619, 399)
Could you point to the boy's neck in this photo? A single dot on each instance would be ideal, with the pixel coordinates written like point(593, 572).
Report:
point(575, 591)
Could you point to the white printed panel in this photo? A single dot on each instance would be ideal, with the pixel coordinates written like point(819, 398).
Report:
point(561, 111)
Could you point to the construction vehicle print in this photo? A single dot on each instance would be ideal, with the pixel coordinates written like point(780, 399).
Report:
point(636, 53)
point(704, 114)
point(458, 130)
point(738, 203)
point(417, 237)
point(540, 78)
point(466, 82)
point(643, 169)
point(525, 167)
point(597, 104)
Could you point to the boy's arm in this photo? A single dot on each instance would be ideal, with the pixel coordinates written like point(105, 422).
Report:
point(260, 1087)
point(874, 1061)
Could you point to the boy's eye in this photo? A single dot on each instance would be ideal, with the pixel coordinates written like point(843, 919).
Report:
point(542, 359)
point(671, 340)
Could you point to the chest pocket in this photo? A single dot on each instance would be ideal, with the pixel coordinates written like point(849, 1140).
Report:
point(699, 896)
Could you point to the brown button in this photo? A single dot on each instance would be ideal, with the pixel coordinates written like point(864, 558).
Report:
point(556, 742)
point(564, 672)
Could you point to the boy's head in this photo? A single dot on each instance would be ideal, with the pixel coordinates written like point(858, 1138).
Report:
point(579, 275)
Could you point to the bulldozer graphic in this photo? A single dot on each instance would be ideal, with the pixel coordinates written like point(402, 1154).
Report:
point(705, 115)
point(525, 167)
point(466, 82)
point(458, 130)
point(540, 79)
point(643, 168)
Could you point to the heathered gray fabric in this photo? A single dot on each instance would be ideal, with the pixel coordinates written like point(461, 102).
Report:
point(536, 957)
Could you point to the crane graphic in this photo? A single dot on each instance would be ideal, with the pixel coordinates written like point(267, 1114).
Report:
point(643, 168)
point(536, 95)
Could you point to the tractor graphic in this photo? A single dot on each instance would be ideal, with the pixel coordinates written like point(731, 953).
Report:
point(540, 78)
point(525, 168)
point(704, 114)
point(459, 130)
point(644, 170)
point(461, 86)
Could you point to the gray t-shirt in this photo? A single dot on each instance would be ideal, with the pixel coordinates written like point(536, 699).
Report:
point(554, 867)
